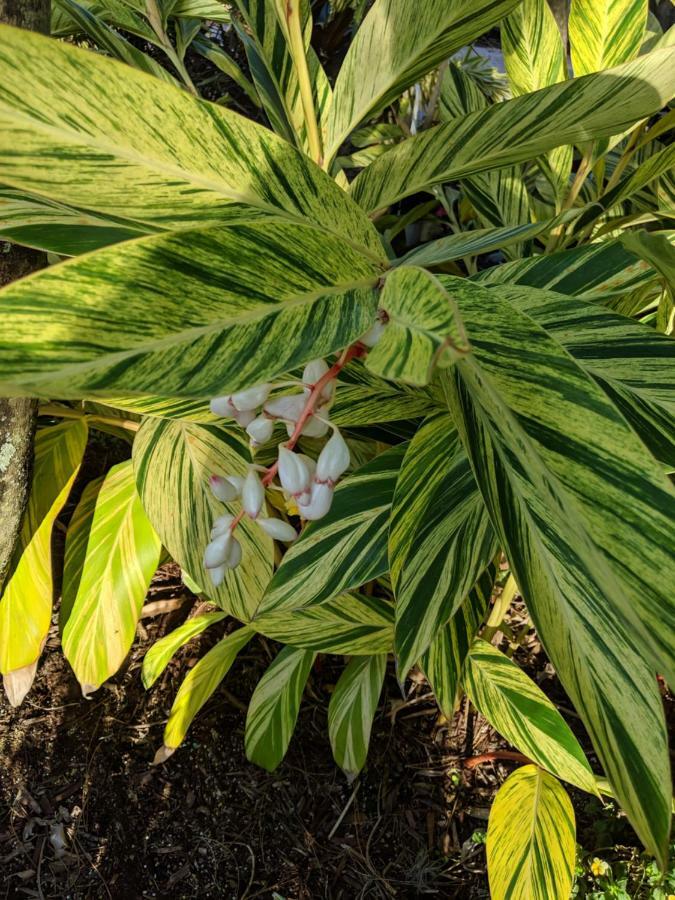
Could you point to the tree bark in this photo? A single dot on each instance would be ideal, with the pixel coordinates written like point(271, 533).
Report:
point(17, 417)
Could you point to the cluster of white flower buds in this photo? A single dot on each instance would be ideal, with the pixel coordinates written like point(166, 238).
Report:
point(307, 484)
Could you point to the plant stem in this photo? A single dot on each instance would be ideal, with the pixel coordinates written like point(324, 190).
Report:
point(297, 47)
point(66, 412)
point(582, 174)
point(500, 608)
point(154, 16)
point(495, 755)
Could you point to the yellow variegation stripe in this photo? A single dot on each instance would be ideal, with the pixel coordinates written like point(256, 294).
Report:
point(345, 549)
point(362, 398)
point(173, 461)
point(531, 836)
point(195, 314)
point(106, 577)
point(423, 328)
point(26, 604)
point(521, 712)
point(520, 129)
point(200, 683)
point(143, 152)
point(274, 707)
point(159, 655)
point(397, 43)
point(440, 537)
point(604, 33)
point(352, 709)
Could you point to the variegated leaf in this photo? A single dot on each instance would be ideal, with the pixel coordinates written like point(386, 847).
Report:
point(440, 537)
point(161, 652)
point(582, 514)
point(419, 37)
point(346, 548)
point(351, 624)
point(531, 838)
point(352, 709)
point(198, 686)
point(423, 329)
point(517, 130)
point(173, 461)
point(273, 710)
point(363, 398)
point(26, 603)
point(195, 314)
point(112, 552)
point(521, 712)
point(604, 33)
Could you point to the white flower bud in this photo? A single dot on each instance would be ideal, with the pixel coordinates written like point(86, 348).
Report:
point(313, 428)
point(260, 430)
point(373, 335)
point(217, 575)
point(244, 418)
point(277, 529)
point(320, 501)
point(313, 371)
point(233, 554)
point(333, 460)
point(294, 475)
point(237, 482)
point(310, 463)
point(223, 406)
point(223, 489)
point(221, 526)
point(217, 551)
point(253, 494)
point(251, 398)
point(288, 408)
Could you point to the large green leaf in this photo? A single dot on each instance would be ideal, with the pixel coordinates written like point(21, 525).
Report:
point(440, 537)
point(521, 712)
point(582, 514)
point(173, 461)
point(199, 684)
point(26, 604)
point(632, 363)
point(112, 553)
point(419, 36)
point(604, 33)
point(351, 624)
point(442, 662)
point(346, 548)
point(273, 710)
point(520, 129)
point(351, 711)
point(89, 131)
point(159, 655)
point(195, 314)
point(363, 398)
point(531, 845)
point(423, 330)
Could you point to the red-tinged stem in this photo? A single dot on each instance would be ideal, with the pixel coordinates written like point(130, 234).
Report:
point(496, 754)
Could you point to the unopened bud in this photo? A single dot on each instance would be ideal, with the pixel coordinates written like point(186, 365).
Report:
point(217, 575)
point(233, 554)
point(277, 529)
point(288, 408)
point(253, 494)
point(313, 428)
point(221, 526)
point(260, 430)
point(320, 501)
point(333, 460)
point(294, 474)
point(223, 489)
point(223, 406)
point(251, 398)
point(313, 371)
point(217, 551)
point(373, 335)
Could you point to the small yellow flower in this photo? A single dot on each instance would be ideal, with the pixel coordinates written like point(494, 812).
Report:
point(599, 867)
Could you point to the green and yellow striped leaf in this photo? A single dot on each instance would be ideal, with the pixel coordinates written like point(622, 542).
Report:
point(418, 37)
point(604, 33)
point(155, 407)
point(195, 314)
point(569, 488)
point(440, 537)
point(442, 662)
point(632, 363)
point(351, 624)
point(423, 329)
point(173, 461)
point(531, 838)
point(200, 683)
point(346, 548)
point(535, 59)
point(520, 129)
point(112, 552)
point(273, 710)
point(125, 16)
point(162, 651)
point(145, 153)
point(352, 709)
point(363, 398)
point(26, 603)
point(521, 712)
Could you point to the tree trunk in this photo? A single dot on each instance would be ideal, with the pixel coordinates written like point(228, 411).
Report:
point(17, 417)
